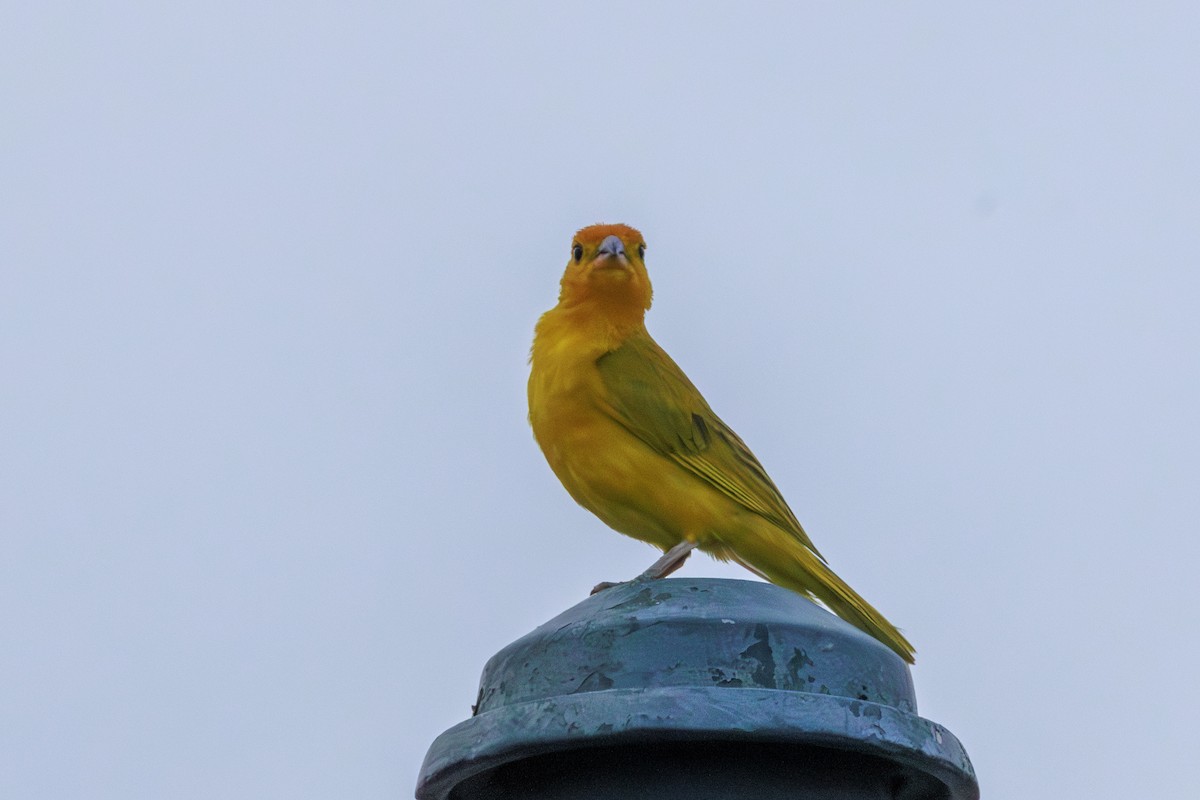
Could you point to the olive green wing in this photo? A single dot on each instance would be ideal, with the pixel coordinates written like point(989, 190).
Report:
point(650, 396)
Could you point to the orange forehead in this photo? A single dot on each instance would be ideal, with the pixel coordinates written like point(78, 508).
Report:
point(594, 234)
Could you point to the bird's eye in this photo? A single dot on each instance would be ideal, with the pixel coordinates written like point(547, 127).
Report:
point(577, 253)
point(642, 251)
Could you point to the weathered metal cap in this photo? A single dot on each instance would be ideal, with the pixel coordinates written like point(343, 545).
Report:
point(698, 661)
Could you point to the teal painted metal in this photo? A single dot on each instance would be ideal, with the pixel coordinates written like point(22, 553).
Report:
point(721, 664)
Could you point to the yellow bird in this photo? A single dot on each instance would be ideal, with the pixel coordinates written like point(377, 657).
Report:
point(635, 443)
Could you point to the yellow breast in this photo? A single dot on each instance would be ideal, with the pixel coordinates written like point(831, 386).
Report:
point(603, 466)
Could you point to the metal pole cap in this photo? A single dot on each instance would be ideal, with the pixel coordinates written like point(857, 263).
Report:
point(697, 661)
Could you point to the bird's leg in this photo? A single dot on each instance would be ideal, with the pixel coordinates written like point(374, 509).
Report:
point(671, 560)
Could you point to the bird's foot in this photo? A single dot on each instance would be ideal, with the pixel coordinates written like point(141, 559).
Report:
point(671, 560)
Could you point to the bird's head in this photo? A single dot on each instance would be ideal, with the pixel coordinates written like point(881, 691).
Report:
point(607, 266)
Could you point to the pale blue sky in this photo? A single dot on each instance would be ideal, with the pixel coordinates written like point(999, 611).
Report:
point(268, 275)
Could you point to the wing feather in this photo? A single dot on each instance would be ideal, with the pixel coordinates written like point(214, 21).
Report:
point(652, 398)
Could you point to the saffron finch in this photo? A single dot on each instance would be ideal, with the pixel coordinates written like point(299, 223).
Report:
point(635, 443)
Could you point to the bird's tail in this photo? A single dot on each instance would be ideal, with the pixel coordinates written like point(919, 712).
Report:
point(785, 561)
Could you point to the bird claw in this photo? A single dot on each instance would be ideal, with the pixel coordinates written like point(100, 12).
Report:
point(602, 585)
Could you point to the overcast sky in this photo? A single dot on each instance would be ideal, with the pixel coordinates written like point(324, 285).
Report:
point(268, 277)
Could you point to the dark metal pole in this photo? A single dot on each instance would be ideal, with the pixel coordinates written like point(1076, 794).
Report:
point(696, 689)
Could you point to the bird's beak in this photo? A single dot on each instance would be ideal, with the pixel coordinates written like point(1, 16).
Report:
point(612, 250)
